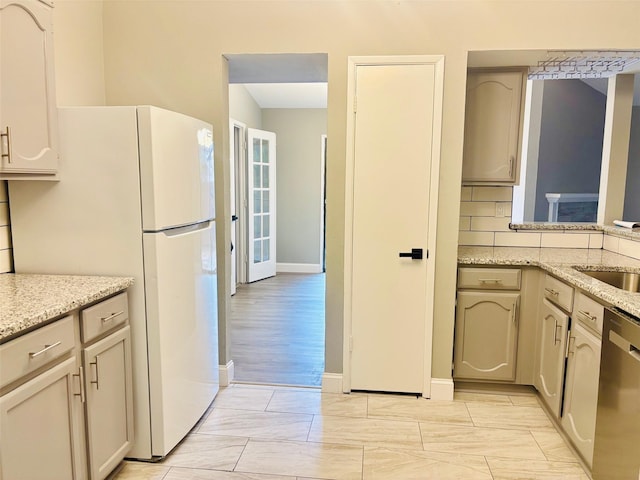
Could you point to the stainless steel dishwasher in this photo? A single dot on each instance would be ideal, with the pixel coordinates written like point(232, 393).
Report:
point(616, 453)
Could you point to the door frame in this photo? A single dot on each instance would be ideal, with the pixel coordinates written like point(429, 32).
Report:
point(353, 62)
point(323, 202)
point(237, 174)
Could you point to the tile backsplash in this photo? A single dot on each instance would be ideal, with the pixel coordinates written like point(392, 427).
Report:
point(485, 213)
point(5, 230)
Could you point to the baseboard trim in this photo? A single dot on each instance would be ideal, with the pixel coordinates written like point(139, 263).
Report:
point(298, 268)
point(226, 374)
point(441, 389)
point(332, 382)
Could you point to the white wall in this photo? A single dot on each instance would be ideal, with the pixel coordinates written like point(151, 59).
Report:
point(170, 53)
point(243, 108)
point(299, 172)
point(79, 58)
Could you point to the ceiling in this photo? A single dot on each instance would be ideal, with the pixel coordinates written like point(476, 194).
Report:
point(283, 80)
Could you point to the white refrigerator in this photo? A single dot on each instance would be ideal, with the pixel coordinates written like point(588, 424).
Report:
point(136, 198)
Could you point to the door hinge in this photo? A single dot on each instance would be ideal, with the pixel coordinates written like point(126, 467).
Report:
point(355, 104)
point(351, 344)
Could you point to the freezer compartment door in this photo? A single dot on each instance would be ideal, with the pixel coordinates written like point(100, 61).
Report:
point(182, 329)
point(176, 169)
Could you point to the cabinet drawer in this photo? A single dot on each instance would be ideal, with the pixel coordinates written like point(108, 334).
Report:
point(31, 351)
point(558, 292)
point(589, 312)
point(104, 316)
point(489, 278)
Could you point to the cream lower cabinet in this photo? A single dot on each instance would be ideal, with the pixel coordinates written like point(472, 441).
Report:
point(109, 400)
point(486, 335)
point(551, 360)
point(66, 410)
point(40, 421)
point(581, 390)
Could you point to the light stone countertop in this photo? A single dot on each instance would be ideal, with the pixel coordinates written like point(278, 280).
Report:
point(562, 262)
point(27, 300)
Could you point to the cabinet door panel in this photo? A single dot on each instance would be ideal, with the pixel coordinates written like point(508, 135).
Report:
point(492, 127)
point(581, 390)
point(38, 423)
point(486, 335)
point(109, 402)
point(553, 340)
point(27, 92)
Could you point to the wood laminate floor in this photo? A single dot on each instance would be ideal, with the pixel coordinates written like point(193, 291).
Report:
point(277, 330)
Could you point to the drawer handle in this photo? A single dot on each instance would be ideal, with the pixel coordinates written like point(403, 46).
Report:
point(80, 376)
point(551, 291)
point(490, 280)
point(587, 315)
point(96, 382)
point(108, 318)
point(44, 350)
point(556, 340)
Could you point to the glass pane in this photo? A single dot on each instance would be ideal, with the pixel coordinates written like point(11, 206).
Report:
point(265, 250)
point(265, 202)
point(265, 225)
point(265, 151)
point(256, 150)
point(256, 251)
point(265, 176)
point(257, 226)
point(256, 176)
point(257, 195)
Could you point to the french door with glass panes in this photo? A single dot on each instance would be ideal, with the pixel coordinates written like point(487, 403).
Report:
point(261, 180)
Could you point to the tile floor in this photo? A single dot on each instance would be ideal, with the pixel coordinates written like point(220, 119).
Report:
point(254, 432)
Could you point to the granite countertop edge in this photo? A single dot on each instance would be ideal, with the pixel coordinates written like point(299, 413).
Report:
point(630, 233)
point(563, 263)
point(30, 300)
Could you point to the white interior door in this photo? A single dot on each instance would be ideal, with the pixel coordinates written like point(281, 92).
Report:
point(394, 132)
point(236, 158)
point(261, 180)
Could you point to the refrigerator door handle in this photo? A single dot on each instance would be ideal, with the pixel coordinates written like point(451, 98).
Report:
point(196, 227)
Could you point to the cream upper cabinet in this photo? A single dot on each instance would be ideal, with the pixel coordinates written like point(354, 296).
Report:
point(493, 127)
point(28, 118)
point(581, 390)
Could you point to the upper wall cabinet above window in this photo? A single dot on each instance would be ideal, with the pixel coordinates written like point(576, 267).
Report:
point(493, 126)
point(28, 121)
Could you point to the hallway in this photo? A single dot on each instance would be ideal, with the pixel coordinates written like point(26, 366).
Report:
point(277, 330)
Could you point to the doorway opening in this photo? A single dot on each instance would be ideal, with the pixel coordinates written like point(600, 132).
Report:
point(276, 326)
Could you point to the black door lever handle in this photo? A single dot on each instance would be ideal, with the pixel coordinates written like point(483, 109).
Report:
point(414, 254)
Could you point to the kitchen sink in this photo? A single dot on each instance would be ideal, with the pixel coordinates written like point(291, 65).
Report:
point(623, 280)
